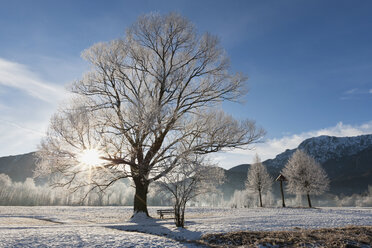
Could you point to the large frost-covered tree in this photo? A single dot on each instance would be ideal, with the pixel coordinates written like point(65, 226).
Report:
point(305, 175)
point(149, 100)
point(259, 181)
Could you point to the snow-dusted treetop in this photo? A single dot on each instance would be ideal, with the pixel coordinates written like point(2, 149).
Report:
point(305, 175)
point(258, 180)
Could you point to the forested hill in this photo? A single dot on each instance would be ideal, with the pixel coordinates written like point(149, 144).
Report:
point(18, 167)
point(347, 161)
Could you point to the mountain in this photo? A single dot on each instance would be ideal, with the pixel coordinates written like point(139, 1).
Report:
point(347, 161)
point(18, 167)
point(325, 148)
point(235, 180)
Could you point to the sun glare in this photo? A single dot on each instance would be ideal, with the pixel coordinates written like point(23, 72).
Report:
point(90, 157)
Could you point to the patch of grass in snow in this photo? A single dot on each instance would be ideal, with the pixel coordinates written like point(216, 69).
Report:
point(352, 236)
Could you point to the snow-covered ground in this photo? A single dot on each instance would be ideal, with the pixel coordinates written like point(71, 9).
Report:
point(112, 227)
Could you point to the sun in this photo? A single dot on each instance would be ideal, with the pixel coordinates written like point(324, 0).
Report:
point(90, 157)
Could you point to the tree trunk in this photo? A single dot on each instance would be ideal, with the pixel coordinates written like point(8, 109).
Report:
point(282, 192)
point(259, 192)
point(308, 200)
point(179, 215)
point(140, 197)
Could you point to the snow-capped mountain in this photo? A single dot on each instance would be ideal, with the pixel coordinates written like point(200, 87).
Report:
point(347, 161)
point(324, 148)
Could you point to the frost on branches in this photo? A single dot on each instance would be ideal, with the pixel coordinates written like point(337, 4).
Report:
point(192, 178)
point(258, 180)
point(149, 99)
point(305, 175)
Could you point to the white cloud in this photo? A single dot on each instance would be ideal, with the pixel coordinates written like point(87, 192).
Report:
point(3, 106)
point(24, 119)
point(351, 91)
point(355, 93)
point(273, 147)
point(19, 138)
point(20, 77)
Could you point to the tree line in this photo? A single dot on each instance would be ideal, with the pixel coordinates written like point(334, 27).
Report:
point(303, 175)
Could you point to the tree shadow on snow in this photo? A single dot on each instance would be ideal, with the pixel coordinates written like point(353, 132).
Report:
point(165, 228)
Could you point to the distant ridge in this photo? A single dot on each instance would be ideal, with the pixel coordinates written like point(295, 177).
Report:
point(324, 148)
point(347, 161)
point(239, 168)
point(18, 167)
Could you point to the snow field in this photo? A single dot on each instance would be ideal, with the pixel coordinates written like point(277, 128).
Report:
point(112, 227)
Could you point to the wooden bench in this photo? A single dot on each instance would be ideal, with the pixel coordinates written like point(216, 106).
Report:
point(163, 212)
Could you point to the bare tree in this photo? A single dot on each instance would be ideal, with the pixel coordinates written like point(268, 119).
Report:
point(241, 199)
point(305, 175)
point(258, 180)
point(189, 180)
point(149, 100)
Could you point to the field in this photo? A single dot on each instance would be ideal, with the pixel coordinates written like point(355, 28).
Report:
point(112, 227)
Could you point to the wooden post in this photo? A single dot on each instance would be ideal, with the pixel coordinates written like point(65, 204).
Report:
point(308, 200)
point(282, 192)
point(281, 178)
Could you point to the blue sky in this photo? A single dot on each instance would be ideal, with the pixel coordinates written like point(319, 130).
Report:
point(309, 63)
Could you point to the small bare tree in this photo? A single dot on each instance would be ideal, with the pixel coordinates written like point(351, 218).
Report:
point(188, 181)
point(149, 100)
point(258, 180)
point(305, 175)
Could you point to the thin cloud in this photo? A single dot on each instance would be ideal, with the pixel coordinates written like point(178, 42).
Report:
point(273, 147)
point(351, 91)
point(19, 126)
point(4, 107)
point(23, 120)
point(19, 138)
point(20, 77)
point(355, 93)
